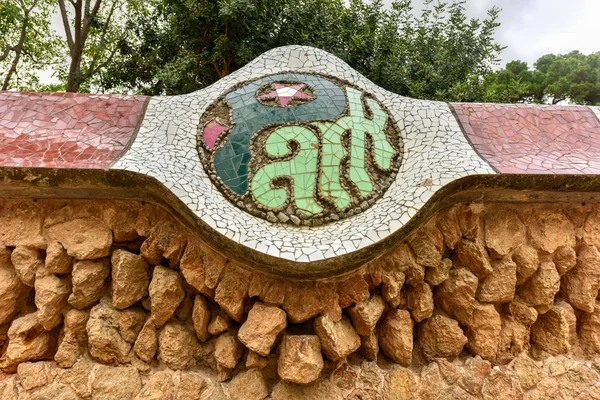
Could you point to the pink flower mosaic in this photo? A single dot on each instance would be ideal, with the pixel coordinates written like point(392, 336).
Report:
point(66, 130)
point(526, 139)
point(211, 133)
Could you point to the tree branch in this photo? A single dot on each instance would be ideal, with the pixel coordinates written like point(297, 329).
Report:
point(92, 69)
point(65, 19)
point(5, 53)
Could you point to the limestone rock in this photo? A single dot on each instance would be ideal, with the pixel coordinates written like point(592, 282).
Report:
point(21, 224)
point(369, 346)
point(501, 385)
point(401, 259)
point(112, 332)
point(353, 290)
point(528, 372)
point(165, 241)
point(259, 332)
point(192, 386)
point(84, 239)
point(51, 295)
point(166, 293)
point(201, 317)
point(564, 259)
point(504, 231)
point(129, 278)
point(32, 375)
point(426, 247)
point(474, 374)
point(300, 360)
point(177, 345)
point(228, 350)
point(115, 383)
point(522, 312)
point(542, 287)
point(27, 341)
point(256, 361)
point(396, 336)
point(88, 281)
point(456, 295)
point(10, 293)
point(580, 285)
point(338, 339)
point(473, 256)
point(483, 331)
point(303, 302)
point(527, 261)
point(555, 330)
point(75, 337)
point(547, 230)
point(122, 221)
point(469, 220)
point(437, 275)
point(392, 282)
point(514, 337)
point(218, 325)
point(192, 267)
point(249, 385)
point(26, 260)
point(499, 287)
point(146, 344)
point(420, 302)
point(318, 390)
point(57, 259)
point(441, 336)
point(232, 290)
point(448, 225)
point(365, 315)
point(400, 384)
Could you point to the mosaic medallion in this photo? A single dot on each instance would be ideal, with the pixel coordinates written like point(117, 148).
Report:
point(299, 149)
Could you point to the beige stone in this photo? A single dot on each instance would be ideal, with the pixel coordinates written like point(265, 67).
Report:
point(192, 267)
point(319, 390)
point(392, 282)
point(440, 336)
point(522, 312)
point(115, 383)
point(400, 384)
point(84, 239)
point(67, 353)
point(218, 325)
point(456, 295)
point(426, 246)
point(555, 330)
point(88, 281)
point(514, 337)
point(437, 275)
point(302, 302)
point(32, 375)
point(165, 241)
point(474, 257)
point(396, 336)
point(338, 339)
point(474, 374)
point(580, 285)
point(579, 382)
point(27, 341)
point(232, 290)
point(201, 317)
point(112, 332)
point(528, 372)
point(352, 290)
point(401, 259)
point(527, 262)
point(564, 259)
point(300, 360)
point(542, 287)
point(146, 344)
point(499, 287)
point(449, 226)
point(21, 224)
point(51, 295)
point(249, 385)
point(166, 293)
point(369, 346)
point(547, 230)
point(503, 231)
point(259, 332)
point(420, 302)
point(122, 221)
point(26, 261)
point(254, 360)
point(501, 385)
point(177, 345)
point(365, 315)
point(11, 289)
point(228, 350)
point(57, 259)
point(130, 278)
point(192, 386)
point(483, 331)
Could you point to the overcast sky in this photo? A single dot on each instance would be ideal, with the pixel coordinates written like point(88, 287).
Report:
point(532, 28)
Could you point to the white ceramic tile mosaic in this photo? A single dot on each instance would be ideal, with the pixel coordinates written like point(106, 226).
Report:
point(596, 110)
point(434, 149)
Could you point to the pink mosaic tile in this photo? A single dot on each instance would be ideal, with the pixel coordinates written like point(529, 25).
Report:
point(66, 130)
point(527, 139)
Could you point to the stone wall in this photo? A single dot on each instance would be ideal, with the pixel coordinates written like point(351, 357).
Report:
point(120, 293)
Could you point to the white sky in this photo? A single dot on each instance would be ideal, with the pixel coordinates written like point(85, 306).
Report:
point(532, 28)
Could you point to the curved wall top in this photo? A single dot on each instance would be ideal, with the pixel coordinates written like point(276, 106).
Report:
point(286, 120)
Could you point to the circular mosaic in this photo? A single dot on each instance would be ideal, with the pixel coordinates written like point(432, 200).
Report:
point(302, 149)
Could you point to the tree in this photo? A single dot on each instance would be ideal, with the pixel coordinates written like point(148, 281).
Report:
point(184, 45)
point(92, 32)
point(572, 77)
point(27, 43)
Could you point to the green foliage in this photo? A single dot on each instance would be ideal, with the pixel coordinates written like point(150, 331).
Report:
point(573, 77)
point(178, 46)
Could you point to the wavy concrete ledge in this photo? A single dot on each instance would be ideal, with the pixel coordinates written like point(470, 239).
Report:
point(114, 184)
point(151, 145)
